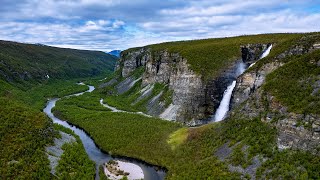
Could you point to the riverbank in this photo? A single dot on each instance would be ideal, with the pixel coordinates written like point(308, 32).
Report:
point(117, 170)
point(95, 153)
point(145, 138)
point(68, 158)
point(25, 130)
point(55, 151)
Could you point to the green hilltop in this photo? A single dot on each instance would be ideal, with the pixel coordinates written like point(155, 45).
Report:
point(209, 57)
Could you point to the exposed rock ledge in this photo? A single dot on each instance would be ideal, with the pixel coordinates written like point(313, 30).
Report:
point(54, 152)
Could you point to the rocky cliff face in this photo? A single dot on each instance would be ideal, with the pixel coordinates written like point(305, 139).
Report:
point(251, 80)
point(171, 69)
point(252, 52)
point(297, 131)
point(194, 100)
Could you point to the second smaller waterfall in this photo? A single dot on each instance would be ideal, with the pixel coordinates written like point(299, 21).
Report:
point(266, 52)
point(224, 105)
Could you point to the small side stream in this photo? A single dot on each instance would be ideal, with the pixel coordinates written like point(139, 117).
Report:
point(94, 152)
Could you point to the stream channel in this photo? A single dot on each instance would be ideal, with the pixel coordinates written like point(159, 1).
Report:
point(94, 152)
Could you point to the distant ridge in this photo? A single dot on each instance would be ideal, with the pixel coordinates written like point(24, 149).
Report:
point(115, 53)
point(21, 62)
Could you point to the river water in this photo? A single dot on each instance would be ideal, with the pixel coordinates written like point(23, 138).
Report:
point(93, 151)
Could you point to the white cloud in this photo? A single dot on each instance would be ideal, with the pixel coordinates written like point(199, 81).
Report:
point(117, 24)
point(120, 24)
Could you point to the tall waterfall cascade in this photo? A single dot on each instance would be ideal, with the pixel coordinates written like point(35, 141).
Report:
point(224, 106)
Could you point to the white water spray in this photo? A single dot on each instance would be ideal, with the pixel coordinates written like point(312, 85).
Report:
point(224, 104)
point(240, 69)
point(266, 52)
point(263, 55)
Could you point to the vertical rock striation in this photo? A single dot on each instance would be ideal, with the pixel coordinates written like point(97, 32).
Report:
point(188, 100)
point(194, 100)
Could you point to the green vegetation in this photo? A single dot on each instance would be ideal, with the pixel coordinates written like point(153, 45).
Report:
point(38, 95)
point(24, 133)
point(120, 133)
point(185, 152)
point(134, 135)
point(25, 130)
point(24, 90)
point(238, 157)
point(88, 101)
point(259, 136)
point(128, 100)
point(291, 165)
point(178, 137)
point(125, 101)
point(27, 63)
point(294, 85)
point(74, 163)
point(102, 175)
point(209, 57)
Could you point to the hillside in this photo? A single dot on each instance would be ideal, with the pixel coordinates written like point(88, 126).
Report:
point(209, 57)
point(25, 63)
point(196, 73)
point(29, 76)
point(144, 110)
point(270, 132)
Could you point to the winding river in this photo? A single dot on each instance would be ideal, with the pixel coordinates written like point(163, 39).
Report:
point(93, 151)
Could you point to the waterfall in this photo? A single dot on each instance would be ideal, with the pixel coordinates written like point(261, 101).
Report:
point(263, 55)
point(266, 52)
point(224, 104)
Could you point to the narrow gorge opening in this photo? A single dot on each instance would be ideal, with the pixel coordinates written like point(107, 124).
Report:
point(224, 105)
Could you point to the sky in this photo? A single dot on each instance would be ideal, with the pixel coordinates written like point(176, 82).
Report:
point(120, 24)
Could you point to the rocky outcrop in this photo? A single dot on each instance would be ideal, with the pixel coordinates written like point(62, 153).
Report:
point(224, 153)
point(155, 107)
point(193, 98)
point(252, 52)
point(54, 152)
point(171, 69)
point(297, 131)
point(251, 80)
point(125, 85)
point(132, 60)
